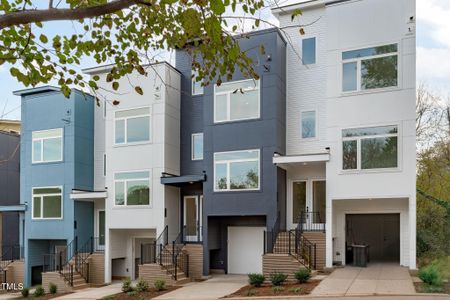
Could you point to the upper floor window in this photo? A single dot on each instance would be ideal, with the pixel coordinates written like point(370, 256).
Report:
point(308, 124)
point(309, 51)
point(132, 126)
point(197, 87)
point(370, 148)
point(132, 188)
point(237, 170)
point(370, 68)
point(197, 146)
point(47, 145)
point(47, 203)
point(237, 100)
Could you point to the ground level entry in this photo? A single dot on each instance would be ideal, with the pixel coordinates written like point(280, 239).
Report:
point(381, 232)
point(245, 249)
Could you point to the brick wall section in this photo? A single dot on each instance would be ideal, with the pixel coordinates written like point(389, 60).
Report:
point(283, 263)
point(195, 252)
point(153, 272)
point(318, 238)
point(55, 278)
point(14, 272)
point(97, 269)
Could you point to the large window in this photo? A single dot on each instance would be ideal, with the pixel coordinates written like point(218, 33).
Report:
point(197, 146)
point(237, 170)
point(47, 203)
point(308, 124)
point(132, 188)
point(47, 145)
point(309, 51)
point(370, 68)
point(370, 148)
point(238, 100)
point(197, 87)
point(132, 126)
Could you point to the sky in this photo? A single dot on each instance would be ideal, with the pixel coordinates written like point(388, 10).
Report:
point(433, 53)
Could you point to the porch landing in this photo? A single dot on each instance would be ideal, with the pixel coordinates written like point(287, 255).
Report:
point(376, 279)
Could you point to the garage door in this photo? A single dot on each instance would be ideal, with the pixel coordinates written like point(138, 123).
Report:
point(380, 231)
point(245, 249)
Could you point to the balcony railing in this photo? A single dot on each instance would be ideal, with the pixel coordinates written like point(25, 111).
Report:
point(311, 221)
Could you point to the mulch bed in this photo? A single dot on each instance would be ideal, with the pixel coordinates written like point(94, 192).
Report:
point(46, 296)
point(149, 294)
point(421, 288)
point(289, 289)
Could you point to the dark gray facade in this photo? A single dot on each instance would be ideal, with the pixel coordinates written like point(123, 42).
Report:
point(9, 189)
point(267, 133)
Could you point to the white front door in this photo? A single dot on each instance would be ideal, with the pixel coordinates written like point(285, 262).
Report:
point(245, 249)
point(308, 202)
point(192, 218)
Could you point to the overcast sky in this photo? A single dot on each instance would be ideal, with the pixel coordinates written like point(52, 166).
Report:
point(433, 53)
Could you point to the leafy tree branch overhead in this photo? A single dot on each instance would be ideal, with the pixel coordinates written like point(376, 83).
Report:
point(121, 32)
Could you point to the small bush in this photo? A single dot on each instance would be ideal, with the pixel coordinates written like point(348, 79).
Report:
point(431, 275)
point(426, 288)
point(278, 278)
point(250, 292)
point(277, 289)
point(302, 275)
point(25, 292)
point(39, 291)
point(126, 285)
point(142, 285)
point(297, 290)
point(132, 293)
point(160, 285)
point(52, 288)
point(256, 279)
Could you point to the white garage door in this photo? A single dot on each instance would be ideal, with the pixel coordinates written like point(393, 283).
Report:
point(245, 249)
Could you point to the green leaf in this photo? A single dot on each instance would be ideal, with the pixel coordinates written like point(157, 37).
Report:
point(138, 90)
point(217, 6)
point(295, 13)
point(43, 38)
point(115, 85)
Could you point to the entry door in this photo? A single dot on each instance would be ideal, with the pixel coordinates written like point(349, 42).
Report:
point(245, 249)
point(192, 218)
point(309, 198)
point(101, 230)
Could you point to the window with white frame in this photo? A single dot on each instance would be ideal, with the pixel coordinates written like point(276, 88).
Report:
point(197, 146)
point(197, 87)
point(370, 68)
point(308, 124)
point(47, 203)
point(237, 170)
point(132, 188)
point(132, 126)
point(370, 148)
point(47, 145)
point(237, 100)
point(309, 51)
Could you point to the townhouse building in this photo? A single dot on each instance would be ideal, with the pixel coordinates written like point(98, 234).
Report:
point(289, 171)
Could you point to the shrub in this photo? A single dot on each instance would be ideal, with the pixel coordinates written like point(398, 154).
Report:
point(297, 290)
point(278, 278)
point(52, 288)
point(132, 293)
point(277, 289)
point(25, 292)
point(160, 285)
point(431, 275)
point(302, 275)
point(250, 292)
point(256, 279)
point(142, 285)
point(39, 291)
point(126, 285)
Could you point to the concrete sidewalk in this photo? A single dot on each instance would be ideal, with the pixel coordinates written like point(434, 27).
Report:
point(94, 293)
point(376, 279)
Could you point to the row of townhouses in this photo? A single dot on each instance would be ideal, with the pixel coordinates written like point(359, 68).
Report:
point(288, 171)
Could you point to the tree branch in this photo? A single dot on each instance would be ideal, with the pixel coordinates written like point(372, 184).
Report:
point(28, 16)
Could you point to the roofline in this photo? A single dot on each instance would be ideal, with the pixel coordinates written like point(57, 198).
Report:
point(311, 4)
point(10, 121)
point(108, 67)
point(11, 133)
point(45, 89)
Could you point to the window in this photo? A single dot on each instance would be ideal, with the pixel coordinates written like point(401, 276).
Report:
point(308, 124)
point(197, 146)
point(132, 188)
point(237, 170)
point(47, 203)
point(319, 201)
point(298, 200)
point(370, 148)
point(370, 68)
point(197, 88)
point(47, 145)
point(309, 51)
point(238, 100)
point(132, 126)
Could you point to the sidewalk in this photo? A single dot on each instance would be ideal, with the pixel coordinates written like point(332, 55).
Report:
point(94, 293)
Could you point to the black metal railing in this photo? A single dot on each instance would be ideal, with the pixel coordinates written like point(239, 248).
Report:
point(311, 221)
point(180, 258)
point(61, 262)
point(9, 255)
point(152, 252)
point(192, 234)
point(305, 250)
point(270, 237)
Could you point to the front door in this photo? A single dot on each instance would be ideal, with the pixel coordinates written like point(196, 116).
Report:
point(308, 204)
point(192, 218)
point(101, 230)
